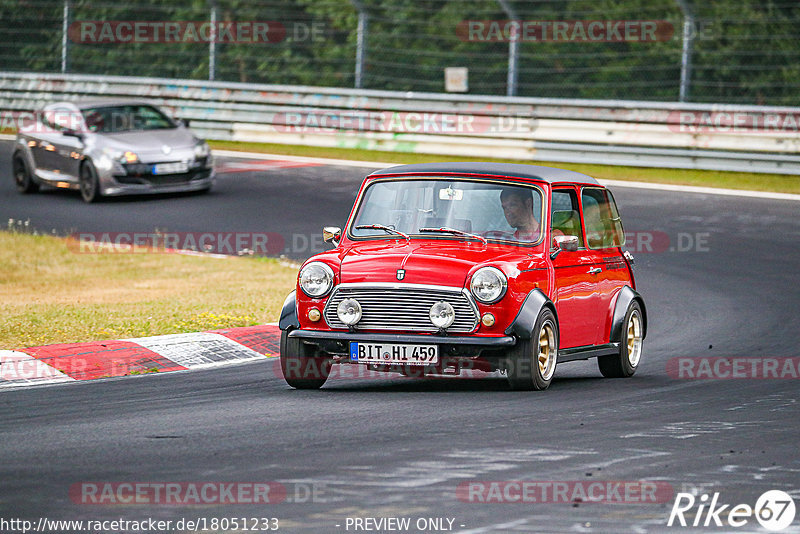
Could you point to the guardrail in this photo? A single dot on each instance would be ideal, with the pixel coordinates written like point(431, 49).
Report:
point(648, 134)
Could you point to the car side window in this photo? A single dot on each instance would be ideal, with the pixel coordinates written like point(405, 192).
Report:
point(61, 118)
point(48, 118)
point(600, 215)
point(565, 217)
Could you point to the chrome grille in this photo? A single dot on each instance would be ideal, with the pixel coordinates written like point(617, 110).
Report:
point(402, 307)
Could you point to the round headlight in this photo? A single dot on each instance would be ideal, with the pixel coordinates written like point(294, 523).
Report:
point(488, 285)
point(349, 311)
point(442, 314)
point(316, 279)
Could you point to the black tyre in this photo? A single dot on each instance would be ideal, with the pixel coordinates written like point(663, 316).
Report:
point(625, 363)
point(23, 178)
point(90, 185)
point(302, 367)
point(532, 362)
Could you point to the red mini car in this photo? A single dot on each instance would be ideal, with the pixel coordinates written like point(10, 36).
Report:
point(450, 266)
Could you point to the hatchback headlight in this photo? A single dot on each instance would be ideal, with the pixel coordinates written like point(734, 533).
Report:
point(201, 150)
point(316, 279)
point(488, 285)
point(115, 159)
point(128, 157)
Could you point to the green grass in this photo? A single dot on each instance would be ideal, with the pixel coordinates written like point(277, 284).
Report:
point(51, 294)
point(780, 183)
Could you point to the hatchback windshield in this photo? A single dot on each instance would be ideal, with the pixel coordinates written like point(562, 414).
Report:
point(491, 210)
point(113, 119)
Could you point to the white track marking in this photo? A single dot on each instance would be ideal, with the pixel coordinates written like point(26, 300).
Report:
point(703, 190)
point(614, 183)
point(198, 350)
point(304, 159)
point(20, 369)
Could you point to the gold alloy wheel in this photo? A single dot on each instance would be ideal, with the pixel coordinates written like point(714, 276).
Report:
point(547, 351)
point(634, 338)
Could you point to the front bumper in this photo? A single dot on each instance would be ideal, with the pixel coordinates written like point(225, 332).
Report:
point(459, 346)
point(181, 183)
point(139, 178)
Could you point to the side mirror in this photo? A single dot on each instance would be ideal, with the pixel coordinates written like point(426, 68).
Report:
point(564, 242)
point(332, 234)
point(567, 242)
point(72, 133)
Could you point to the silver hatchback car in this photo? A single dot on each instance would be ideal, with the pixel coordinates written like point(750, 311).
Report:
point(108, 148)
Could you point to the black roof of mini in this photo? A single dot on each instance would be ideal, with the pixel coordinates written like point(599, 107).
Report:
point(516, 170)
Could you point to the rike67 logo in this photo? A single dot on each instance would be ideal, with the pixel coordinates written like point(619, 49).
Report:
point(774, 510)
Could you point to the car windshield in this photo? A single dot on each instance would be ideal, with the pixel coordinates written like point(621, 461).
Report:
point(113, 119)
point(495, 211)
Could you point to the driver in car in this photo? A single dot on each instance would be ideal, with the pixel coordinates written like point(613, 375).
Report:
point(518, 209)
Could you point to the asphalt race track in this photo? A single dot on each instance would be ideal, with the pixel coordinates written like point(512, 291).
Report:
point(400, 448)
point(239, 202)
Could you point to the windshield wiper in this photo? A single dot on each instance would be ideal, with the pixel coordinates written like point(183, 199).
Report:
point(446, 230)
point(387, 229)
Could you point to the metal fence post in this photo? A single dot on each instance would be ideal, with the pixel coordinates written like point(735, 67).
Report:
point(212, 45)
point(64, 39)
point(361, 43)
point(513, 50)
point(686, 52)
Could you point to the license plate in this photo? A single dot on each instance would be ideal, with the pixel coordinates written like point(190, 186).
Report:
point(171, 168)
point(392, 354)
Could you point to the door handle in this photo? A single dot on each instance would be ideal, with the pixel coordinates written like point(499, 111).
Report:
point(595, 270)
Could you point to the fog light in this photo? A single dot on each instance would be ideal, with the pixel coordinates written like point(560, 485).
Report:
point(487, 319)
point(442, 314)
point(349, 311)
point(314, 315)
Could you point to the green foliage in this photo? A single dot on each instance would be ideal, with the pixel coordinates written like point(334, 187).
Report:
point(744, 51)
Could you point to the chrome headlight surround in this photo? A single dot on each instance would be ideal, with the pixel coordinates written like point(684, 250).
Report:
point(488, 285)
point(316, 279)
point(349, 311)
point(442, 314)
